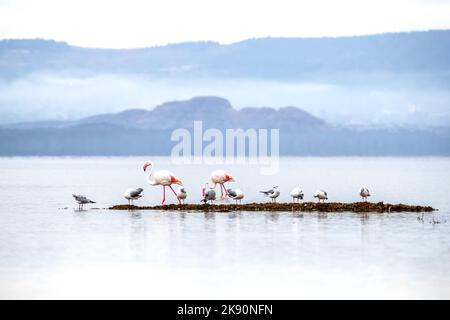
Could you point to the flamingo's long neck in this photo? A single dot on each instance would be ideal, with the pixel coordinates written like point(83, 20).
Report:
point(149, 177)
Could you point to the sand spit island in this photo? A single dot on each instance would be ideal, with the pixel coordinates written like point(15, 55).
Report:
point(379, 207)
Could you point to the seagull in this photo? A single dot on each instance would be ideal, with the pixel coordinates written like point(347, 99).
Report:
point(132, 194)
point(81, 200)
point(321, 195)
point(297, 193)
point(209, 195)
point(220, 177)
point(163, 178)
point(181, 194)
point(236, 195)
point(272, 193)
point(364, 193)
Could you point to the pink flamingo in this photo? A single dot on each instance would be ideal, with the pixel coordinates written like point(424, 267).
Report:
point(220, 177)
point(162, 178)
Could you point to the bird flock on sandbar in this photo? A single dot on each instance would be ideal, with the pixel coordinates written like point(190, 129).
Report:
point(219, 177)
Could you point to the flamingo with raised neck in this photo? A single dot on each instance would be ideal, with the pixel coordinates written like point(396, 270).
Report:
point(162, 178)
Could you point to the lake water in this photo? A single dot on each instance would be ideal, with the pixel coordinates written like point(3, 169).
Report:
point(50, 250)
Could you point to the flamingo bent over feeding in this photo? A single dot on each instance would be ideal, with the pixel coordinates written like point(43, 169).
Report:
point(220, 177)
point(162, 178)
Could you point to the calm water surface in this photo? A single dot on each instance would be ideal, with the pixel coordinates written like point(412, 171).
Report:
point(50, 250)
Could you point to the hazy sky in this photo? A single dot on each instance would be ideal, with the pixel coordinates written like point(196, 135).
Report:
point(138, 23)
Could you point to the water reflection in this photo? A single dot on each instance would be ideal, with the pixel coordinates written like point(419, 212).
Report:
point(136, 214)
point(272, 216)
point(234, 215)
point(137, 237)
point(209, 216)
point(347, 253)
point(322, 216)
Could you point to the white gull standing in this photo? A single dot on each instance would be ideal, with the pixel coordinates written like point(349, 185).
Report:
point(236, 194)
point(272, 193)
point(181, 194)
point(321, 195)
point(132, 194)
point(364, 193)
point(208, 195)
point(81, 200)
point(297, 194)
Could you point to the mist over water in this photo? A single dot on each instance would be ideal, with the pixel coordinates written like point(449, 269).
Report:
point(51, 251)
point(59, 97)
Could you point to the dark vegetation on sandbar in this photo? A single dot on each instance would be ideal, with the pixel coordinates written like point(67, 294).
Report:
point(379, 207)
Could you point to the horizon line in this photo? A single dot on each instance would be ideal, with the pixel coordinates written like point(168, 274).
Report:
point(224, 43)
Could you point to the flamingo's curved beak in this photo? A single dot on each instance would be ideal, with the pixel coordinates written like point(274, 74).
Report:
point(146, 165)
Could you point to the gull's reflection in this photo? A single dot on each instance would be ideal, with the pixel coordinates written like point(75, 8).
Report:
point(272, 216)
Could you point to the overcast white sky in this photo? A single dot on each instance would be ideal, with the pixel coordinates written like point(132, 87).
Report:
point(138, 23)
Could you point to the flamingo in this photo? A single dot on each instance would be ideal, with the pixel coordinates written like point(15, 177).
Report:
point(181, 194)
point(220, 177)
point(81, 200)
point(297, 194)
point(321, 195)
point(272, 193)
point(132, 194)
point(209, 195)
point(364, 193)
point(236, 195)
point(162, 178)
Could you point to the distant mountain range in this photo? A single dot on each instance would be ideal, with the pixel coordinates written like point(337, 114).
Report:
point(267, 58)
point(377, 80)
point(132, 132)
point(215, 112)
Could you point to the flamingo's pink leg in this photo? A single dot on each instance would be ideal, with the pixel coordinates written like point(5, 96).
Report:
point(164, 195)
point(225, 189)
point(179, 202)
point(221, 190)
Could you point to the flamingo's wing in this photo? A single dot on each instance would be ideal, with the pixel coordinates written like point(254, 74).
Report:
point(162, 177)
